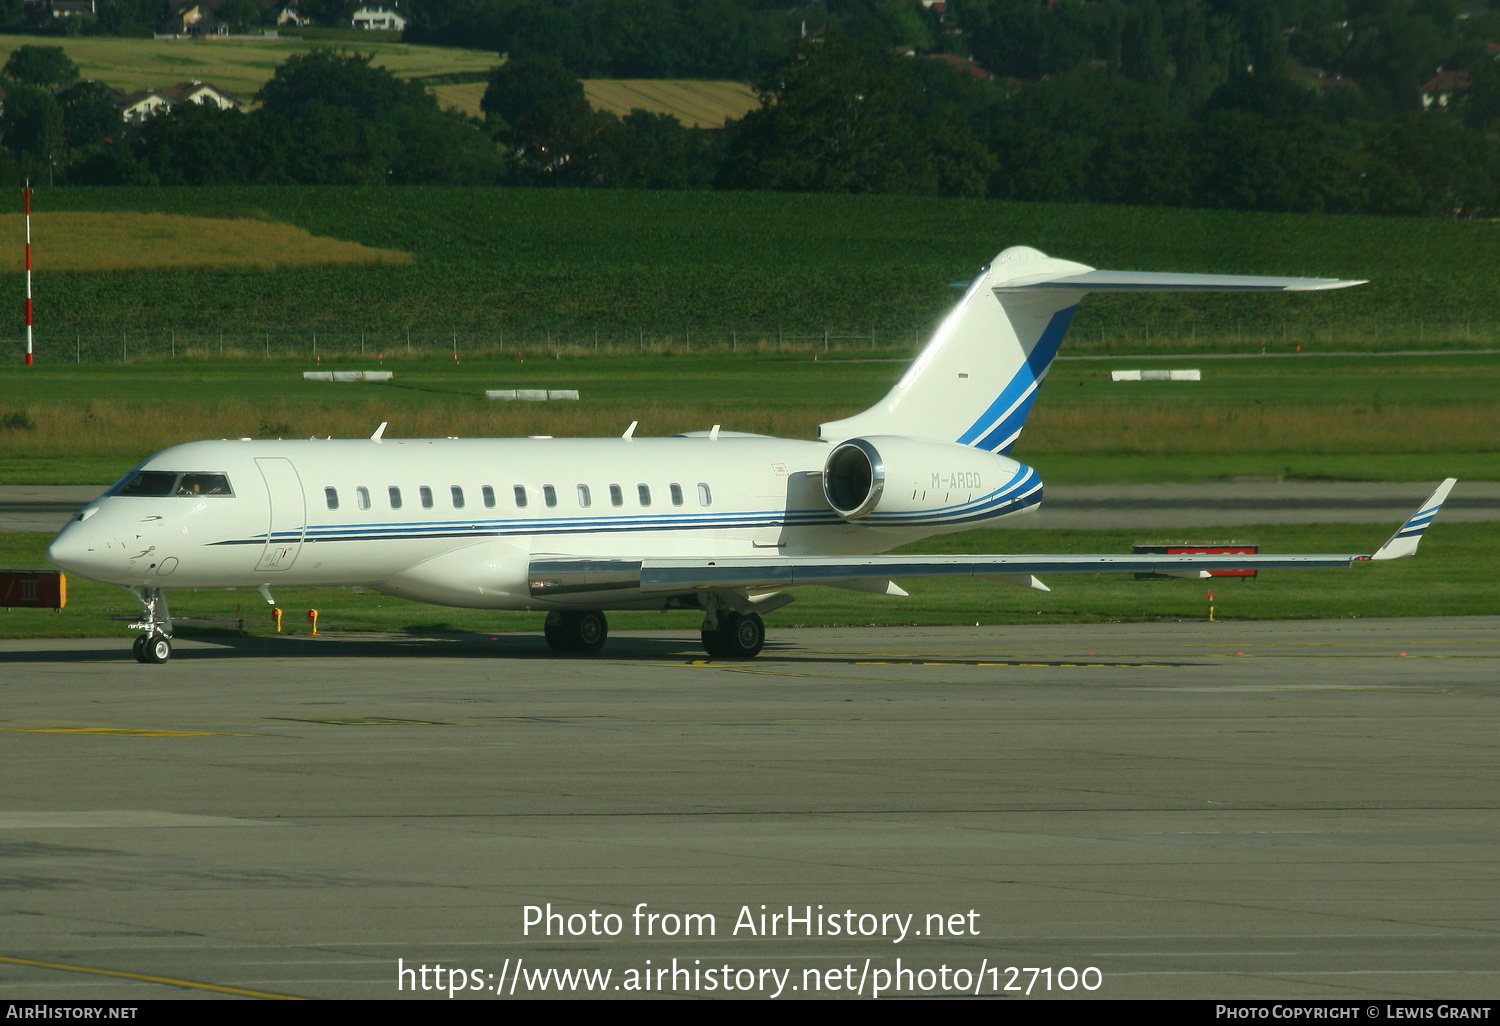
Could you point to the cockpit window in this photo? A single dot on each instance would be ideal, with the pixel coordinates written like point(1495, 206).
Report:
point(203, 484)
point(150, 482)
point(162, 482)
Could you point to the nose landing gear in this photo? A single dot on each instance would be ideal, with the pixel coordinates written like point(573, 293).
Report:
point(155, 644)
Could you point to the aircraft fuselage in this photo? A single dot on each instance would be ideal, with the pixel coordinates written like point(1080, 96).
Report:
point(457, 521)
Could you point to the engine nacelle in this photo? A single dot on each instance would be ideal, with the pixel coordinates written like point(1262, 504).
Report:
point(896, 481)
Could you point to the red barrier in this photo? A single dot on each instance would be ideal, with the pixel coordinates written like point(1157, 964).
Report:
point(1202, 550)
point(33, 589)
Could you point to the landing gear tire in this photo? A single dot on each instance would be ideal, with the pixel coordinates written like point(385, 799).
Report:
point(576, 631)
point(738, 636)
point(154, 645)
point(152, 650)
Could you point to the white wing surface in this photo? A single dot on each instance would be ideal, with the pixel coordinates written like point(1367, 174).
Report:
point(560, 575)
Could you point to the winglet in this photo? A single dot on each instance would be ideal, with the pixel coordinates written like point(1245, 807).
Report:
point(1408, 535)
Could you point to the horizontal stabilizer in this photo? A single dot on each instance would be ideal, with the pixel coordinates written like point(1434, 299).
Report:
point(1166, 281)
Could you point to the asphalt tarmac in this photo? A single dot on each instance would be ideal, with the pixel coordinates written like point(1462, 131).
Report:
point(1228, 811)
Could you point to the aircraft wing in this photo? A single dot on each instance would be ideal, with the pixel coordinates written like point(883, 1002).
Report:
point(561, 575)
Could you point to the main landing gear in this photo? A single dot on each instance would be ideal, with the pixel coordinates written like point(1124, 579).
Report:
point(576, 631)
point(726, 634)
point(155, 644)
point(734, 636)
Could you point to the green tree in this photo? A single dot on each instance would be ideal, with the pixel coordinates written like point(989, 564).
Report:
point(348, 81)
point(195, 144)
point(41, 66)
point(839, 116)
point(333, 118)
point(518, 86)
point(32, 125)
point(654, 151)
point(89, 114)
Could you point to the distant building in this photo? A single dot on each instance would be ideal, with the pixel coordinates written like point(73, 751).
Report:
point(39, 12)
point(1439, 90)
point(377, 16)
point(200, 92)
point(194, 18)
point(137, 107)
point(73, 9)
point(287, 12)
point(964, 64)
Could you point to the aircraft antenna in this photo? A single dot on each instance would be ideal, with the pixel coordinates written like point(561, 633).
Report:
point(630, 431)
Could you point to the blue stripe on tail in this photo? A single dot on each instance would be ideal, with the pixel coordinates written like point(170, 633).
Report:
point(997, 427)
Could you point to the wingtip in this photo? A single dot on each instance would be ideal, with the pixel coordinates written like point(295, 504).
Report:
point(1409, 535)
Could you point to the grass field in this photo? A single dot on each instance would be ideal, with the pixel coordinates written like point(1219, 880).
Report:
point(1367, 418)
point(507, 266)
point(240, 66)
point(80, 241)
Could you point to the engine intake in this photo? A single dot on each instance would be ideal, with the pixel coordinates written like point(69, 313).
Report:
point(893, 480)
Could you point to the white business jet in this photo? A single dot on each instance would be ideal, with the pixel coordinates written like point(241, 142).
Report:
point(715, 521)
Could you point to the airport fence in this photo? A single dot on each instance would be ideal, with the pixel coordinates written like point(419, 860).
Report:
point(317, 345)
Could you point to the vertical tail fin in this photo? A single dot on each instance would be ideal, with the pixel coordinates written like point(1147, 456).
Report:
point(974, 383)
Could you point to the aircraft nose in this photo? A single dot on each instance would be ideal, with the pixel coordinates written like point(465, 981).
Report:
point(68, 550)
point(81, 550)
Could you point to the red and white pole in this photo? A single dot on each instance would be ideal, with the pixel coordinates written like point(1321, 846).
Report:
point(26, 197)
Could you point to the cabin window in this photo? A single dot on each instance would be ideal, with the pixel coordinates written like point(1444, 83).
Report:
point(616, 496)
point(584, 499)
point(488, 493)
point(705, 497)
point(520, 496)
point(331, 496)
point(425, 494)
point(395, 494)
point(643, 494)
point(457, 493)
point(362, 497)
point(549, 495)
point(676, 494)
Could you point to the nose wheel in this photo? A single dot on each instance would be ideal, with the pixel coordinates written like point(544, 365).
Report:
point(152, 649)
point(155, 644)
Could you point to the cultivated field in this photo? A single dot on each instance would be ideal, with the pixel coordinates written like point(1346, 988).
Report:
point(695, 104)
point(241, 66)
point(498, 269)
point(94, 242)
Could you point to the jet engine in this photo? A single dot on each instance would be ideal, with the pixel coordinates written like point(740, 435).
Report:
point(893, 479)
